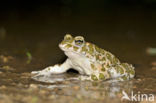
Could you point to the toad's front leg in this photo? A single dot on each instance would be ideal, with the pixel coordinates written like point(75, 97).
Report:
point(56, 69)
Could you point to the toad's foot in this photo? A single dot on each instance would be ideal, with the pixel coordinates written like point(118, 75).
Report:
point(84, 77)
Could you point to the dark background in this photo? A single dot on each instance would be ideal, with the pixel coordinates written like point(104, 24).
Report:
point(115, 17)
point(30, 31)
point(124, 27)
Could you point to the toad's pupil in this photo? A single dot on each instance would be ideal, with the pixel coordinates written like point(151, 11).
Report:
point(79, 41)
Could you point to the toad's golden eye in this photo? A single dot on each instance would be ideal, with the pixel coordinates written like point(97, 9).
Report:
point(79, 40)
point(68, 37)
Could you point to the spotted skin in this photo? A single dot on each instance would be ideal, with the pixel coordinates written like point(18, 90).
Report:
point(90, 60)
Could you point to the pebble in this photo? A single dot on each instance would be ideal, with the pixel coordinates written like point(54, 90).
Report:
point(3, 87)
point(33, 86)
point(153, 63)
point(76, 87)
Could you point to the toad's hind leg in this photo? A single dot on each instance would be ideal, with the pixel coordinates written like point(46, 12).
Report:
point(122, 72)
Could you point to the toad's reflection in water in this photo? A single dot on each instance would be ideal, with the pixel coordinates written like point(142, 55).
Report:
point(68, 86)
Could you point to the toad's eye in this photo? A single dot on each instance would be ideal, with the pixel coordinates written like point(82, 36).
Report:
point(79, 42)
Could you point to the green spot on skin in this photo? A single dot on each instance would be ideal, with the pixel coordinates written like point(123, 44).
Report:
point(125, 65)
point(91, 49)
point(92, 66)
point(63, 42)
point(132, 72)
point(75, 48)
point(87, 56)
point(66, 41)
point(103, 58)
point(93, 77)
point(121, 70)
point(101, 76)
point(109, 57)
point(68, 38)
point(100, 58)
point(70, 41)
point(101, 50)
point(108, 66)
point(68, 46)
point(97, 57)
point(90, 52)
point(83, 49)
point(129, 68)
point(115, 60)
point(109, 74)
point(103, 69)
point(97, 49)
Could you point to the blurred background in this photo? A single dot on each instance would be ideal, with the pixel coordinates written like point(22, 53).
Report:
point(124, 27)
point(30, 31)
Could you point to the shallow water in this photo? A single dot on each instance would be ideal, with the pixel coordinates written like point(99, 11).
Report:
point(40, 37)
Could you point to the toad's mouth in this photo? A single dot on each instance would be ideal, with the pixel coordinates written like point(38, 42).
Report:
point(71, 49)
point(63, 48)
